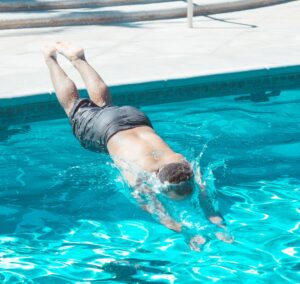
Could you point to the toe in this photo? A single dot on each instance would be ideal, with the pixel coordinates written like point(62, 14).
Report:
point(64, 44)
point(60, 45)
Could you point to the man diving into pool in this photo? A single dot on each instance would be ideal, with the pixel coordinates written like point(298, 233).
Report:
point(128, 136)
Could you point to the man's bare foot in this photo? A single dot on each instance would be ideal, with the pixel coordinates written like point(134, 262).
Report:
point(72, 52)
point(49, 52)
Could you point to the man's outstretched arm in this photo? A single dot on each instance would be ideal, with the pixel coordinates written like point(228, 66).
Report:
point(210, 211)
point(148, 201)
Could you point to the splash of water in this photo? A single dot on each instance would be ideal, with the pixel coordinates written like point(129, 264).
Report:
point(188, 211)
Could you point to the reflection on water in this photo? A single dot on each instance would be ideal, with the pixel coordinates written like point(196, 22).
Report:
point(66, 216)
point(8, 132)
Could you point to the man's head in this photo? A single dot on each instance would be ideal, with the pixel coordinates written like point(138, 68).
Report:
point(177, 179)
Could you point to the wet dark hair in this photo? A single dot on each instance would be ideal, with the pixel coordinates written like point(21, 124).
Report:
point(174, 174)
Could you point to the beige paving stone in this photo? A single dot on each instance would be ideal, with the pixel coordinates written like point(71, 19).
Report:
point(161, 50)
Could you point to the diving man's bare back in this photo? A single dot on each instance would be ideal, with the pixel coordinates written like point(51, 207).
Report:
point(141, 148)
point(136, 149)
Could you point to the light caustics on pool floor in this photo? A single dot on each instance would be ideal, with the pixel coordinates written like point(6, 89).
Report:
point(64, 216)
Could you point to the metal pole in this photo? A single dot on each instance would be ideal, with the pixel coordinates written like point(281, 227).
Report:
point(190, 11)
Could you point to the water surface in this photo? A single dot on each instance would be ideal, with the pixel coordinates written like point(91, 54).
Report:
point(65, 216)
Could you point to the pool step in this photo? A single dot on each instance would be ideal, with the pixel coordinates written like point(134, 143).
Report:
point(138, 10)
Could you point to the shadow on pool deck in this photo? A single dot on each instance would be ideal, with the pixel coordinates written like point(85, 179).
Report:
point(158, 10)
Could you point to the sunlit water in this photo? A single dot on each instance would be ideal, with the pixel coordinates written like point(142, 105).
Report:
point(66, 217)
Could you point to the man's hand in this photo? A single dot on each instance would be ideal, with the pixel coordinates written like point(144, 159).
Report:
point(196, 242)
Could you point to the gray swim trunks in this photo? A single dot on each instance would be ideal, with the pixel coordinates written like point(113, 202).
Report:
point(94, 126)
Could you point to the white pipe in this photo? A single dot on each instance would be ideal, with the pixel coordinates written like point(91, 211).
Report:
point(190, 12)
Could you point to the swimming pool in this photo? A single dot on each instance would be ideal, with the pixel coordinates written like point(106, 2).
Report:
point(66, 218)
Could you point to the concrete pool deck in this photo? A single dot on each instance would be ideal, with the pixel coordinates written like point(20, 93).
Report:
point(139, 52)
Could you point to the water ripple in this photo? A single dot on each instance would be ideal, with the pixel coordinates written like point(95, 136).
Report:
point(66, 218)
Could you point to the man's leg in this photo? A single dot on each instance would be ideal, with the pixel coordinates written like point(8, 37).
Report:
point(65, 88)
point(95, 85)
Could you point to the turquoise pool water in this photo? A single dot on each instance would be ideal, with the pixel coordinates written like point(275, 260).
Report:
point(65, 216)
